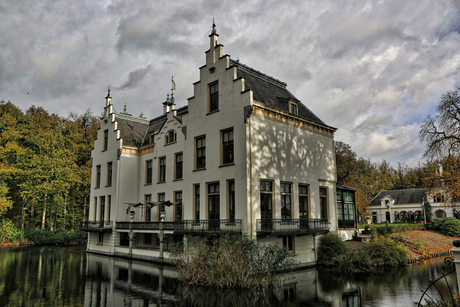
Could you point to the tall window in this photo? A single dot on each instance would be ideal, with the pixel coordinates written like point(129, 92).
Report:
point(106, 139)
point(323, 202)
point(95, 209)
point(98, 176)
point(148, 209)
point(148, 173)
point(200, 152)
point(178, 166)
point(109, 206)
point(345, 209)
point(162, 170)
point(109, 174)
point(178, 206)
point(213, 97)
point(171, 137)
point(231, 200)
point(266, 201)
point(227, 146)
point(102, 208)
point(286, 200)
point(196, 188)
point(161, 207)
point(303, 201)
point(213, 201)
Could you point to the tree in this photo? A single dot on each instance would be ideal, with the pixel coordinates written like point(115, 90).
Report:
point(441, 134)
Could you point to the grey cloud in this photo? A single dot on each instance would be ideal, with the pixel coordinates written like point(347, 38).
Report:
point(372, 123)
point(135, 77)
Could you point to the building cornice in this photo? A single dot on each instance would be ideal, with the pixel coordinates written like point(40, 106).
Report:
point(279, 116)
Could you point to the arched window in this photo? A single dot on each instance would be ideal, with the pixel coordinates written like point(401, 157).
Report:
point(411, 217)
point(388, 217)
point(418, 216)
point(440, 213)
point(397, 219)
point(374, 217)
point(403, 217)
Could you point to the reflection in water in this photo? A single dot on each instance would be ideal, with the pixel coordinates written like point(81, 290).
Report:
point(67, 276)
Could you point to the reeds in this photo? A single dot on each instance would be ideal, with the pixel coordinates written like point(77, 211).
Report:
point(231, 262)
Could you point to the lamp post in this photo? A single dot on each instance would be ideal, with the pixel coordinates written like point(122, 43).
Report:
point(131, 234)
point(161, 235)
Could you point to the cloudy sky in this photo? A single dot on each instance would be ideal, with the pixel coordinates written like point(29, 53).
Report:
point(373, 69)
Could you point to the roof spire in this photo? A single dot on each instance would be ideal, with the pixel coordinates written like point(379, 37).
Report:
point(108, 93)
point(213, 31)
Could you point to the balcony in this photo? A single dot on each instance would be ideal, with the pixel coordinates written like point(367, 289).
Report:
point(146, 225)
point(291, 226)
point(96, 226)
point(201, 227)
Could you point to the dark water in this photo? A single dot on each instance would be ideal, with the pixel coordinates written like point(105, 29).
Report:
point(67, 276)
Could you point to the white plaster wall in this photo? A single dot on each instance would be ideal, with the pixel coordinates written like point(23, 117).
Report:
point(199, 122)
point(284, 153)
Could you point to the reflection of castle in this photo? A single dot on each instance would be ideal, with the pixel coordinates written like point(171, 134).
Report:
point(112, 281)
point(243, 156)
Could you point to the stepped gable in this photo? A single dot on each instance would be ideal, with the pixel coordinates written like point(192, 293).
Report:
point(409, 196)
point(132, 129)
point(269, 91)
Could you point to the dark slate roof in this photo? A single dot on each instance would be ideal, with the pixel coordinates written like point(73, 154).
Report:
point(271, 91)
point(410, 196)
point(132, 131)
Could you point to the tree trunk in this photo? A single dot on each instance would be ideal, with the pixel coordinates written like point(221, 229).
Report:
point(44, 211)
point(50, 220)
point(21, 222)
point(31, 217)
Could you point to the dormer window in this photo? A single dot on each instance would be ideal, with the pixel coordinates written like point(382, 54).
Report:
point(293, 108)
point(171, 137)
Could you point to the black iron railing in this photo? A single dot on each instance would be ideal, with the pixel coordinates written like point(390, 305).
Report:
point(292, 226)
point(437, 297)
point(208, 226)
point(346, 223)
point(96, 226)
point(146, 225)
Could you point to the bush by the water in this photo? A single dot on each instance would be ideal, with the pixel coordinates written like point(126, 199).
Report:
point(231, 262)
point(331, 245)
point(448, 225)
point(59, 236)
point(381, 252)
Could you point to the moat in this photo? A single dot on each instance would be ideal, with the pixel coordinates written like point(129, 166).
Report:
point(68, 276)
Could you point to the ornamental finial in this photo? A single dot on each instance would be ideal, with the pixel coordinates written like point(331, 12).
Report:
point(213, 31)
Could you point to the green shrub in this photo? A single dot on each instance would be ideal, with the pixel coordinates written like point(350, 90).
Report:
point(437, 223)
point(385, 252)
point(231, 262)
point(418, 245)
point(451, 227)
point(397, 228)
point(8, 232)
point(331, 245)
point(59, 236)
point(357, 261)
